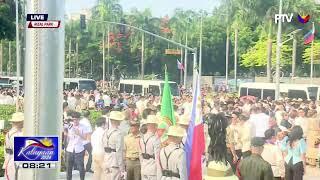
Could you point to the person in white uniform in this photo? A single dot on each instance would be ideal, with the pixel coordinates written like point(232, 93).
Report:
point(113, 147)
point(11, 170)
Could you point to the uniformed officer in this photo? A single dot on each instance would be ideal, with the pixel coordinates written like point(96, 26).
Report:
point(131, 151)
point(255, 167)
point(184, 123)
point(11, 171)
point(149, 147)
point(172, 159)
point(113, 147)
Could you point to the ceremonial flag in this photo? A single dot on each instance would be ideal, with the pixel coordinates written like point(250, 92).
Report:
point(309, 37)
point(195, 144)
point(166, 101)
point(180, 65)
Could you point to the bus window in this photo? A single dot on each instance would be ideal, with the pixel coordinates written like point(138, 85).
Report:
point(137, 89)
point(254, 92)
point(128, 88)
point(87, 85)
point(243, 92)
point(297, 94)
point(121, 88)
point(173, 87)
point(268, 92)
point(313, 92)
point(154, 90)
point(4, 80)
point(73, 85)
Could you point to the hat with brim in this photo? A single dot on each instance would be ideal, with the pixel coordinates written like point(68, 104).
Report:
point(184, 120)
point(116, 116)
point(219, 171)
point(176, 131)
point(152, 119)
point(17, 117)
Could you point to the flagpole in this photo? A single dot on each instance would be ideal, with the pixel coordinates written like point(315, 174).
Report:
point(181, 75)
point(311, 70)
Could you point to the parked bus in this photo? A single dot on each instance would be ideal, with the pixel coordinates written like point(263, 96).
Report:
point(79, 83)
point(263, 90)
point(144, 87)
point(10, 81)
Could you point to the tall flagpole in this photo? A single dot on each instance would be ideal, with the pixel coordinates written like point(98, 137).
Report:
point(311, 70)
point(200, 51)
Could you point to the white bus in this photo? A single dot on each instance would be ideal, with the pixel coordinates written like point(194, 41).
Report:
point(263, 90)
point(68, 83)
point(79, 83)
point(144, 87)
point(10, 81)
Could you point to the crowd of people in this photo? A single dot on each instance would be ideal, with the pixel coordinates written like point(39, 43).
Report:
point(245, 138)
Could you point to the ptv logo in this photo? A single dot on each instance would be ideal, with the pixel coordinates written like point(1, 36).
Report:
point(41, 21)
point(283, 17)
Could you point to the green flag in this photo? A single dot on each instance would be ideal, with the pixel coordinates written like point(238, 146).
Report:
point(166, 101)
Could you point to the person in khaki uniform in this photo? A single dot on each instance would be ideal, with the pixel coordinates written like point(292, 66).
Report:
point(172, 159)
point(184, 123)
point(149, 148)
point(131, 152)
point(113, 147)
point(11, 171)
point(98, 149)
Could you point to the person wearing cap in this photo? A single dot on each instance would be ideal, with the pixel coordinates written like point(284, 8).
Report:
point(76, 135)
point(149, 148)
point(113, 147)
point(98, 148)
point(11, 171)
point(184, 124)
point(131, 151)
point(163, 126)
point(172, 160)
point(255, 167)
point(87, 143)
point(273, 155)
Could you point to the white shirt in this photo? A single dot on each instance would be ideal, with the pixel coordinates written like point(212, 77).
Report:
point(260, 124)
point(72, 102)
point(96, 141)
point(303, 122)
point(86, 123)
point(75, 142)
point(107, 100)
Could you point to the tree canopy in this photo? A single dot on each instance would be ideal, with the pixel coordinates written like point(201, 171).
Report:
point(253, 19)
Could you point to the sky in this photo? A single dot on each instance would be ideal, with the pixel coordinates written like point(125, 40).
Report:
point(158, 7)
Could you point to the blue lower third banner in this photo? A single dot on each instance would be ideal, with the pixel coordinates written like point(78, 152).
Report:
point(36, 149)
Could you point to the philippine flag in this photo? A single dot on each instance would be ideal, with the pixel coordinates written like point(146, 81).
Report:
point(195, 144)
point(180, 65)
point(309, 37)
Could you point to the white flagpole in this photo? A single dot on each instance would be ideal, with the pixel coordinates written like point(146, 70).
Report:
point(311, 70)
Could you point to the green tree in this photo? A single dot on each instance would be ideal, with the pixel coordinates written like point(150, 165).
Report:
point(256, 56)
point(316, 53)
